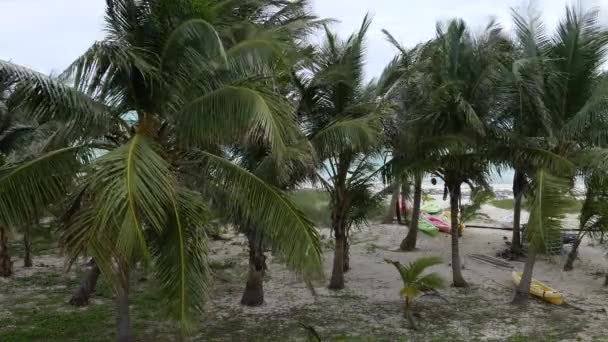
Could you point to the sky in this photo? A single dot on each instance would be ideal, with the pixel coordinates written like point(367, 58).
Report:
point(48, 34)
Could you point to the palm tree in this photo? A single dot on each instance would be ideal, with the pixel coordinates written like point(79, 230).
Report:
point(548, 202)
point(558, 97)
point(412, 153)
point(415, 283)
point(454, 102)
point(297, 167)
point(13, 148)
point(341, 116)
point(165, 98)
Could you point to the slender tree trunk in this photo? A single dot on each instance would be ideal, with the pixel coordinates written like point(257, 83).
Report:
point(346, 265)
point(123, 319)
point(390, 214)
point(522, 294)
point(409, 243)
point(6, 265)
point(254, 290)
point(606, 279)
point(410, 317)
point(27, 246)
point(518, 184)
point(337, 274)
point(398, 212)
point(457, 278)
point(569, 265)
point(81, 296)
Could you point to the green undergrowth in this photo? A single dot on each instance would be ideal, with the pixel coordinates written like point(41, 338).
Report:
point(574, 205)
point(315, 204)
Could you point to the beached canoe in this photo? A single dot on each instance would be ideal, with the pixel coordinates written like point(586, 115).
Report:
point(427, 227)
point(541, 290)
point(440, 224)
point(431, 208)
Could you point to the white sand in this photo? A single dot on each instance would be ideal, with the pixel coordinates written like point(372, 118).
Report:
point(375, 282)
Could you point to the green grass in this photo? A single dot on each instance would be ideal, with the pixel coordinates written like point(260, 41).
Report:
point(574, 205)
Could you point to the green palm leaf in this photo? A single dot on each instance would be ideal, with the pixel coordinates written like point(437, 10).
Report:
point(549, 201)
point(180, 257)
point(26, 188)
point(292, 234)
point(235, 110)
point(43, 99)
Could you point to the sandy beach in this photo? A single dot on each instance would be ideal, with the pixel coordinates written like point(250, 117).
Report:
point(371, 296)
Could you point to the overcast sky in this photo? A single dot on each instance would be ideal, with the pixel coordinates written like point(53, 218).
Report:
point(48, 34)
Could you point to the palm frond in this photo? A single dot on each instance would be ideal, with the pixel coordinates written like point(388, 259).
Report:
point(549, 202)
point(227, 113)
point(28, 187)
point(180, 257)
point(45, 99)
point(290, 232)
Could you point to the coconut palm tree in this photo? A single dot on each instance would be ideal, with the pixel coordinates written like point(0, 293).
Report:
point(165, 98)
point(549, 195)
point(18, 142)
point(557, 96)
point(276, 30)
point(341, 117)
point(416, 283)
point(412, 153)
point(454, 108)
point(297, 167)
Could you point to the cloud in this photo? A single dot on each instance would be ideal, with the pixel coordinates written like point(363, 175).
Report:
point(413, 21)
point(49, 34)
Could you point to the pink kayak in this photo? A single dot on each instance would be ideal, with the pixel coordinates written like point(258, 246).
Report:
point(442, 226)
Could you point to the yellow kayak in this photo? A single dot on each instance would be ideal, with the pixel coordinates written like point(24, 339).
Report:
point(541, 290)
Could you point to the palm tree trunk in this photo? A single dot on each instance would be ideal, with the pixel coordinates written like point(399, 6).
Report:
point(569, 265)
point(522, 294)
point(6, 265)
point(457, 278)
point(390, 214)
point(123, 319)
point(337, 274)
point(81, 296)
point(254, 290)
point(346, 265)
point(410, 317)
point(409, 243)
point(518, 184)
point(27, 245)
point(398, 211)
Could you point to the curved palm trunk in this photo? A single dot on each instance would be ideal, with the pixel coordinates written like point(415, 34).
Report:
point(337, 274)
point(254, 290)
point(522, 293)
point(518, 185)
point(457, 278)
point(27, 245)
point(123, 317)
point(6, 265)
point(390, 214)
point(81, 296)
point(409, 243)
point(569, 265)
